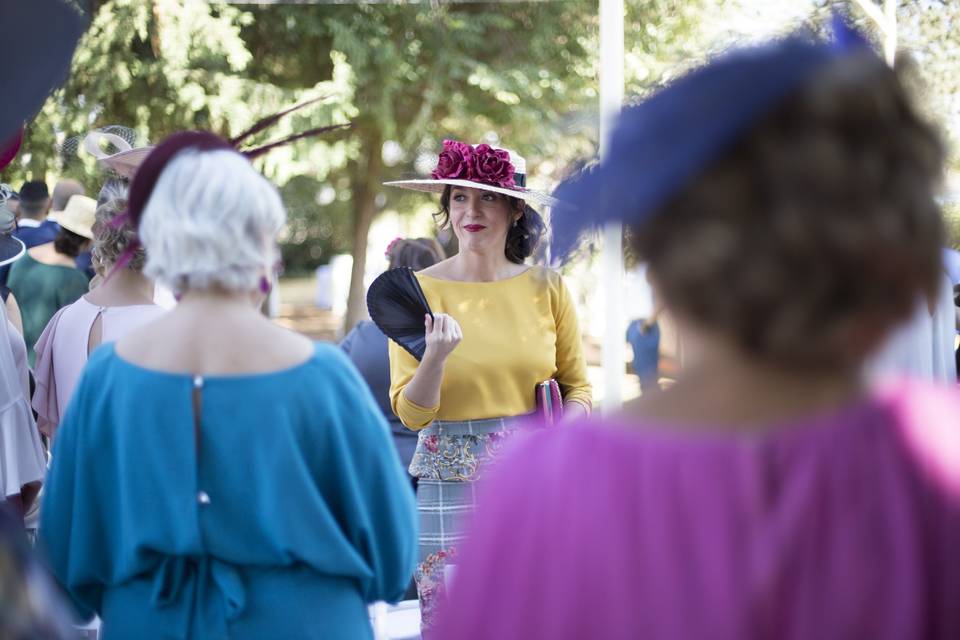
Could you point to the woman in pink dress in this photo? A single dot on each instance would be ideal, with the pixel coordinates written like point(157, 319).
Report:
point(122, 302)
point(782, 198)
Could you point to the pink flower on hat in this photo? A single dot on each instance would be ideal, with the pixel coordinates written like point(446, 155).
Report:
point(493, 166)
point(456, 161)
point(483, 163)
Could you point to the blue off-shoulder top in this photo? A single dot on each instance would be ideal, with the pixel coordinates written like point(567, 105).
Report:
point(284, 516)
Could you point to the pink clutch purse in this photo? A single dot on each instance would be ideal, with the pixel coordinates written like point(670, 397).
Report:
point(549, 402)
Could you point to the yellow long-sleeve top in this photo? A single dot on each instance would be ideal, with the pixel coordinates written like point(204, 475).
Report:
point(516, 333)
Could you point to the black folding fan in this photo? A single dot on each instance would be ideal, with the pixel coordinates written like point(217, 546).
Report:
point(397, 305)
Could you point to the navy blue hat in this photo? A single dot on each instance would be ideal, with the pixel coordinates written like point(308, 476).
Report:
point(45, 32)
point(670, 138)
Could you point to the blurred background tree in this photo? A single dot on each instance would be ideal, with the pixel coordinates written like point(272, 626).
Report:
point(519, 74)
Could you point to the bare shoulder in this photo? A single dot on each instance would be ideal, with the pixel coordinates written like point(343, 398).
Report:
point(288, 344)
point(179, 344)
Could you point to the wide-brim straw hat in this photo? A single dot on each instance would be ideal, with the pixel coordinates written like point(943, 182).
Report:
point(78, 216)
point(124, 162)
point(519, 190)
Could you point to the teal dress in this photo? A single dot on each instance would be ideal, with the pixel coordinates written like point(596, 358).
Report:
point(282, 518)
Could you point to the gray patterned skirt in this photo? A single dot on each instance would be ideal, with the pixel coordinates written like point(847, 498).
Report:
point(448, 459)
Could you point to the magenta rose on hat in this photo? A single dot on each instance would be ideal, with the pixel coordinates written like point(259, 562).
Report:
point(493, 166)
point(456, 161)
point(481, 167)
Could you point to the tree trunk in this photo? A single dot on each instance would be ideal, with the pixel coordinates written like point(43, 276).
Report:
point(366, 185)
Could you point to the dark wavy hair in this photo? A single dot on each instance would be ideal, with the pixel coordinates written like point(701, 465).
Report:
point(817, 232)
point(522, 238)
point(69, 243)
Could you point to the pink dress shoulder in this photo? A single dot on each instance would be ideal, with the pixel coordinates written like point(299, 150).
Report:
point(843, 526)
point(62, 352)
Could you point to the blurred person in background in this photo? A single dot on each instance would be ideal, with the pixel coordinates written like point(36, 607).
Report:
point(216, 475)
point(783, 198)
point(13, 200)
point(47, 278)
point(33, 227)
point(62, 192)
point(924, 348)
point(643, 332)
point(22, 460)
point(8, 229)
point(367, 347)
point(31, 607)
point(123, 302)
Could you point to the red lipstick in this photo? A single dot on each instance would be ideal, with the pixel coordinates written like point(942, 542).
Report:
point(473, 228)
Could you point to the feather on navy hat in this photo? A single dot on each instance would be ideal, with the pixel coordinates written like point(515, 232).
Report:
point(667, 140)
point(143, 183)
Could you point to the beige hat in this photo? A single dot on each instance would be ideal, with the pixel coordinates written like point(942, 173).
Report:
point(78, 216)
point(125, 162)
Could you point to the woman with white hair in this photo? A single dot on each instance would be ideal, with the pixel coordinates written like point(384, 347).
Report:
point(216, 475)
point(123, 302)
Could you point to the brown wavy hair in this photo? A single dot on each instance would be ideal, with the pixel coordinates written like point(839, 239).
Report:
point(817, 232)
point(110, 241)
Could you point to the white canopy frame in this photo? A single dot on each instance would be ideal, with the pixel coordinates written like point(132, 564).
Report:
point(611, 258)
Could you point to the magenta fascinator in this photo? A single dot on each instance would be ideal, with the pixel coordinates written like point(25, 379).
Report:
point(149, 171)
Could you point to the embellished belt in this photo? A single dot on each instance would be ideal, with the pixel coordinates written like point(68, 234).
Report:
point(456, 451)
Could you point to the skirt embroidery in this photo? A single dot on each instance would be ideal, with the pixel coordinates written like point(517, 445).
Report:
point(449, 458)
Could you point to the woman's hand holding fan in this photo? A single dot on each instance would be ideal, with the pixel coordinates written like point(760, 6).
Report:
point(398, 307)
point(443, 334)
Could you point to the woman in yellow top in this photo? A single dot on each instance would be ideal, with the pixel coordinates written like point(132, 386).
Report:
point(499, 327)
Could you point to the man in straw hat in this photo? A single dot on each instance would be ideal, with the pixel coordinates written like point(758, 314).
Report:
point(21, 456)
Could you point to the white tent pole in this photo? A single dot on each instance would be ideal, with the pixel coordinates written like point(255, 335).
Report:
point(611, 259)
point(886, 21)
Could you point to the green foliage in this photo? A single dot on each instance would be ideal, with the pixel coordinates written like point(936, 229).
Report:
point(951, 223)
point(318, 224)
point(524, 75)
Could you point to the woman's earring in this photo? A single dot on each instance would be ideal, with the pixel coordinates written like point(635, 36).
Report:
point(515, 223)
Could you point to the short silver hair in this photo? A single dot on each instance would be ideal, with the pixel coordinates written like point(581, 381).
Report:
point(211, 223)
